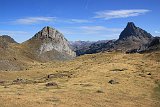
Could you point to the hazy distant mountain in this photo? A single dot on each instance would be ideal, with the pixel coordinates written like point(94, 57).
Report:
point(88, 47)
point(100, 46)
point(76, 45)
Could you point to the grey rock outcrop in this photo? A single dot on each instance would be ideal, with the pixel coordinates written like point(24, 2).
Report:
point(153, 45)
point(53, 39)
point(154, 42)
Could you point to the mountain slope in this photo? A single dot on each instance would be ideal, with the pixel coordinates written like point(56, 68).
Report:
point(46, 45)
point(153, 45)
point(12, 56)
point(5, 40)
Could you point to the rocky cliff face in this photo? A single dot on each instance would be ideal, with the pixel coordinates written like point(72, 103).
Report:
point(153, 45)
point(49, 43)
point(53, 39)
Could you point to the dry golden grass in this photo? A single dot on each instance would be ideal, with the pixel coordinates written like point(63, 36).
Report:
point(83, 82)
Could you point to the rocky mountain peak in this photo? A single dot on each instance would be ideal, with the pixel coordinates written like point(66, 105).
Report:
point(49, 33)
point(131, 25)
point(131, 31)
point(49, 39)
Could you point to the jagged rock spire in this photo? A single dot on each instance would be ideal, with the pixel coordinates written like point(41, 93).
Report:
point(132, 31)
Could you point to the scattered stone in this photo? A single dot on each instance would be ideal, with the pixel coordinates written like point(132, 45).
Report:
point(142, 75)
point(157, 81)
point(18, 80)
point(6, 86)
point(59, 75)
point(149, 74)
point(19, 94)
point(2, 82)
point(99, 91)
point(86, 85)
point(52, 84)
point(119, 69)
point(113, 82)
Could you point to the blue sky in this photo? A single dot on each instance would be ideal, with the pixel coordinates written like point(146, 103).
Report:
point(77, 19)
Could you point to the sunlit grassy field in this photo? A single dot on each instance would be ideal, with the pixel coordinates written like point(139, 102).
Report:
point(97, 80)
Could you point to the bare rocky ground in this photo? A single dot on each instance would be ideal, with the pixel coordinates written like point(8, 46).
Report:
point(97, 80)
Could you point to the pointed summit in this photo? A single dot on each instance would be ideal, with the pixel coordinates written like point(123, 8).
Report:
point(130, 25)
point(134, 32)
point(48, 33)
point(49, 41)
point(132, 37)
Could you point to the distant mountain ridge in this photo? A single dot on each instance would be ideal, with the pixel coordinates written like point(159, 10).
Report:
point(49, 44)
point(76, 45)
point(131, 38)
point(88, 47)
